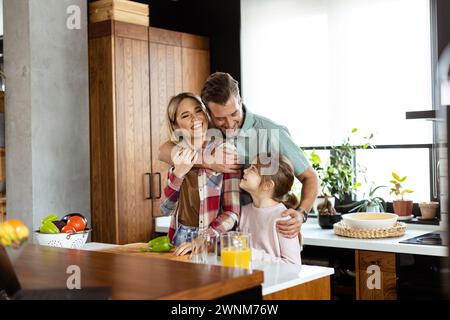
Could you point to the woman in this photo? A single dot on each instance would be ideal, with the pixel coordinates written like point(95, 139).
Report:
point(198, 199)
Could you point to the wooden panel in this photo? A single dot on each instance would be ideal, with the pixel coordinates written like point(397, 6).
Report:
point(2, 164)
point(166, 37)
point(388, 277)
point(133, 139)
point(319, 289)
point(126, 11)
point(103, 144)
point(131, 277)
point(194, 42)
point(166, 81)
point(2, 207)
point(196, 69)
point(2, 101)
point(101, 29)
point(130, 31)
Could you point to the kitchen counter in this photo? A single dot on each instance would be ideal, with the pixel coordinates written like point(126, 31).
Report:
point(133, 277)
point(277, 276)
point(314, 235)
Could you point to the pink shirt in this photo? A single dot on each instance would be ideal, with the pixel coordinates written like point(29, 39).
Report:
point(268, 244)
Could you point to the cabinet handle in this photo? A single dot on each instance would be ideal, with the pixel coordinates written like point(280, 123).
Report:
point(150, 186)
point(160, 185)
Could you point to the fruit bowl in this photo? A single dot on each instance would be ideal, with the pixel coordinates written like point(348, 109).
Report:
point(63, 240)
point(370, 220)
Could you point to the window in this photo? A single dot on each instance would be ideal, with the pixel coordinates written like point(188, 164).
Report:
point(325, 67)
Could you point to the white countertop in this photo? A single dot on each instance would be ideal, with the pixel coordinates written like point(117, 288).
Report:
point(277, 276)
point(314, 235)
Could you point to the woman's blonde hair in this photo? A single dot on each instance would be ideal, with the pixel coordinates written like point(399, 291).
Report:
point(172, 108)
point(283, 179)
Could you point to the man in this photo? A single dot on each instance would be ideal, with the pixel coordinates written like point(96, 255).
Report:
point(223, 101)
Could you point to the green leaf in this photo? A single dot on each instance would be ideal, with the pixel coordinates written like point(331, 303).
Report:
point(403, 179)
point(396, 176)
point(371, 136)
point(354, 130)
point(393, 181)
point(407, 191)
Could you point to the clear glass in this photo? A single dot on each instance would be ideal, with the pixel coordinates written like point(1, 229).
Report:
point(199, 243)
point(236, 249)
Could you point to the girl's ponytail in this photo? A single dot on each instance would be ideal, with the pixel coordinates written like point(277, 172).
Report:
point(290, 201)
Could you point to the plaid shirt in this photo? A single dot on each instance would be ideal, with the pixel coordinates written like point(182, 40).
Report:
point(219, 201)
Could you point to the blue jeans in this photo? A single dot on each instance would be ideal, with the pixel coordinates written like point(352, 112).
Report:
point(183, 234)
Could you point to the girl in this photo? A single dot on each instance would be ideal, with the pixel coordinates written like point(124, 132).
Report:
point(198, 199)
point(271, 196)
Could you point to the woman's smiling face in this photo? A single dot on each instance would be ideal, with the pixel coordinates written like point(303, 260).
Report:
point(191, 118)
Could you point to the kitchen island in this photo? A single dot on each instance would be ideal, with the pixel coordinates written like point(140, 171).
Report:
point(281, 280)
point(134, 277)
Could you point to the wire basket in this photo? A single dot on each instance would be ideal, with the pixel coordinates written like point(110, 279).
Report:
point(63, 240)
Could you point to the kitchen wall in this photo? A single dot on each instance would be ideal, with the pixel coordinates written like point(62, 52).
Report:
point(47, 118)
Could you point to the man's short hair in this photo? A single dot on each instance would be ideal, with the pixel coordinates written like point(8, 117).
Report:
point(219, 87)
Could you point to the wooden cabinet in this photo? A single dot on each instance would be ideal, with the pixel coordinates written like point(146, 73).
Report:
point(376, 277)
point(134, 70)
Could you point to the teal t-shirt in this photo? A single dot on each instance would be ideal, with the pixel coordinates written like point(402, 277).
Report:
point(259, 134)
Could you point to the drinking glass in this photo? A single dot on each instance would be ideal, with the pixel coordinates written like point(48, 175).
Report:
point(235, 249)
point(199, 243)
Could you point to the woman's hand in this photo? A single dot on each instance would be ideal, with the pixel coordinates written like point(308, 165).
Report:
point(183, 249)
point(184, 159)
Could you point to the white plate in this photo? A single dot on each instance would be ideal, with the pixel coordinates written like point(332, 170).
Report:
point(403, 218)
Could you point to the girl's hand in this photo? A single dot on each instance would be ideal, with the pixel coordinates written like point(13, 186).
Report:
point(184, 159)
point(183, 249)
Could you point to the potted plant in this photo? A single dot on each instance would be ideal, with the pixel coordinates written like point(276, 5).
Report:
point(341, 172)
point(324, 192)
point(369, 203)
point(327, 215)
point(402, 207)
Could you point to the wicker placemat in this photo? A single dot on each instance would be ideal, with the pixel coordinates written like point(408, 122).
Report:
point(396, 230)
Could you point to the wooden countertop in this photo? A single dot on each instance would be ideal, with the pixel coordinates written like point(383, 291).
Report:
point(131, 277)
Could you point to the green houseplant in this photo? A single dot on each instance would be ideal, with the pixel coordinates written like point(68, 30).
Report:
point(402, 207)
point(338, 177)
point(369, 203)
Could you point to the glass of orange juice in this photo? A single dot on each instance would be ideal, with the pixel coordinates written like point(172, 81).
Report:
point(236, 249)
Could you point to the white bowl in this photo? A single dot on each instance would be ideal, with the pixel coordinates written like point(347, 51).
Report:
point(370, 220)
point(63, 240)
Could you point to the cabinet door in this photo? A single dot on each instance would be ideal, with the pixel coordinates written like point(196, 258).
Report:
point(195, 62)
point(165, 81)
point(133, 138)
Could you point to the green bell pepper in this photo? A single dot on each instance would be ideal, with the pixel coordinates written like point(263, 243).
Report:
point(48, 227)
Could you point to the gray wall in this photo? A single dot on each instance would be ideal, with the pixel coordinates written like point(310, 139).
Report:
point(47, 116)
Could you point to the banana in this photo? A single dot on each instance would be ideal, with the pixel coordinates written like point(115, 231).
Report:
point(8, 235)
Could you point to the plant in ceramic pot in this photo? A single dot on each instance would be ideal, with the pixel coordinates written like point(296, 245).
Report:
point(428, 210)
point(327, 214)
point(402, 207)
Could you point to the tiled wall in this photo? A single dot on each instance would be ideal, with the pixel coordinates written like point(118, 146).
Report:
point(443, 162)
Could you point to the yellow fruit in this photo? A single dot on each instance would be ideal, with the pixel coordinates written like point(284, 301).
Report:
point(5, 235)
point(20, 229)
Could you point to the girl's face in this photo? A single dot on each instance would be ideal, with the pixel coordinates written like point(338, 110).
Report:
point(190, 117)
point(251, 180)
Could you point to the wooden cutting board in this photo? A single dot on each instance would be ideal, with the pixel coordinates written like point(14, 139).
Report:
point(134, 250)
